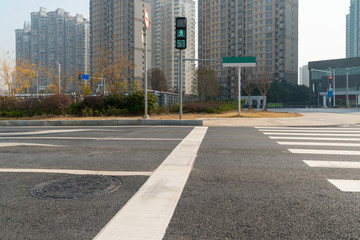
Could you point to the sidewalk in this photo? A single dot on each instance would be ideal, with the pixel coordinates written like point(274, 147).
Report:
point(308, 119)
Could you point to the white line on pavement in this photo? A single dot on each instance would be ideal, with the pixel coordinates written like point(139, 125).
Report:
point(332, 164)
point(43, 132)
point(346, 185)
point(308, 128)
point(12, 144)
point(311, 131)
point(320, 144)
point(313, 134)
point(325, 152)
point(147, 214)
point(316, 138)
point(97, 139)
point(75, 172)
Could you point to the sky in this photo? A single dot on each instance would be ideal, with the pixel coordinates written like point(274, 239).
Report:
point(322, 24)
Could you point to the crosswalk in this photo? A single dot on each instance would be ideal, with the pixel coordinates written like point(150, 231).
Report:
point(322, 144)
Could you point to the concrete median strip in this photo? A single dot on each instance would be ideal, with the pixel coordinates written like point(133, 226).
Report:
point(103, 122)
point(147, 214)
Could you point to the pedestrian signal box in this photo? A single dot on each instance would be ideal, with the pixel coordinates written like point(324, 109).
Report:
point(180, 33)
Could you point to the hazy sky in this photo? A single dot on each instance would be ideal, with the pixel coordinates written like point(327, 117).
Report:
point(322, 24)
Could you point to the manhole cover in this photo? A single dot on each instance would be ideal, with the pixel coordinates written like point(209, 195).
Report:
point(76, 187)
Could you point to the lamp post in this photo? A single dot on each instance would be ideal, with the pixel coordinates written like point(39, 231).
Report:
point(59, 75)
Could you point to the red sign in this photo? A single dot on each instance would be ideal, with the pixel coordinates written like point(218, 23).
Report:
point(146, 19)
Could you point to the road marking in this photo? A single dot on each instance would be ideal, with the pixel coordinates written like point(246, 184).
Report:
point(308, 128)
point(313, 134)
point(97, 139)
point(75, 172)
point(332, 164)
point(147, 214)
point(320, 144)
point(315, 138)
point(12, 144)
point(310, 131)
point(44, 132)
point(346, 185)
point(324, 152)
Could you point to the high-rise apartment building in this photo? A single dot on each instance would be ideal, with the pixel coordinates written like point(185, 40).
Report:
point(267, 29)
point(52, 37)
point(164, 55)
point(352, 30)
point(304, 75)
point(116, 31)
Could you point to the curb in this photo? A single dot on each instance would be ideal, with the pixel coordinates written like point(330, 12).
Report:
point(112, 122)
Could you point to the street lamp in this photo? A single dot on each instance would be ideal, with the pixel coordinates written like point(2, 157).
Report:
point(59, 75)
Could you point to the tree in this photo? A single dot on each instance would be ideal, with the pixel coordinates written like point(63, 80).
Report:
point(157, 80)
point(205, 85)
point(26, 73)
point(7, 69)
point(263, 85)
point(113, 68)
point(249, 87)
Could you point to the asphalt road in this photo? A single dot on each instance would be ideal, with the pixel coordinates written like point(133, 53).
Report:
point(246, 183)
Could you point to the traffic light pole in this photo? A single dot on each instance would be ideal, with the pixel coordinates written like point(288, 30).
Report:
point(180, 86)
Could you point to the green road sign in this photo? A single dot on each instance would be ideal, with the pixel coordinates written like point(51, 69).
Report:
point(239, 61)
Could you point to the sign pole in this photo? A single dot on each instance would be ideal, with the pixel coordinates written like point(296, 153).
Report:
point(146, 116)
point(239, 89)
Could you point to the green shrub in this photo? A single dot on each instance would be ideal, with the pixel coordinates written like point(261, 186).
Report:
point(113, 111)
point(75, 109)
point(211, 110)
point(175, 108)
point(135, 102)
point(114, 100)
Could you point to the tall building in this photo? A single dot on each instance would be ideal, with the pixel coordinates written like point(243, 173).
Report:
point(304, 75)
point(267, 29)
point(116, 31)
point(352, 30)
point(52, 37)
point(165, 56)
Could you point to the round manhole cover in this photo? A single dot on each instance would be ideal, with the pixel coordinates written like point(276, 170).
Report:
point(76, 187)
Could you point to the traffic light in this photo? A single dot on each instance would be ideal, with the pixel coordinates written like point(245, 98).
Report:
point(180, 33)
point(330, 80)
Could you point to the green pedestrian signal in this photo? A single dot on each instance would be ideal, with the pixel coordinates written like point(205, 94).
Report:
point(180, 33)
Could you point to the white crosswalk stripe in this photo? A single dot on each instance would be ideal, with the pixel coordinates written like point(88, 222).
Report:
point(322, 142)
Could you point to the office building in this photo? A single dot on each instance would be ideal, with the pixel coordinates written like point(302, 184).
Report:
point(266, 29)
point(165, 56)
point(52, 37)
point(344, 84)
point(116, 33)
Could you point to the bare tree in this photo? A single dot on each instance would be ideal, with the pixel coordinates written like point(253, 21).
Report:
point(264, 85)
point(249, 87)
point(157, 80)
point(205, 85)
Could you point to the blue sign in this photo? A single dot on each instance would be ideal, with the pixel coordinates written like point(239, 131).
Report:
point(85, 77)
point(330, 94)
